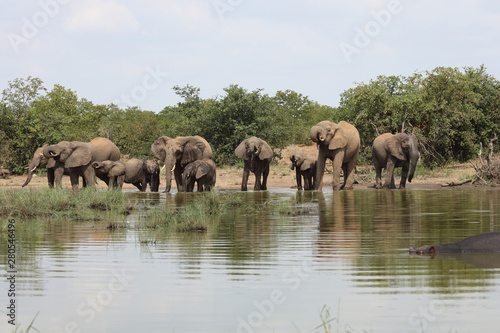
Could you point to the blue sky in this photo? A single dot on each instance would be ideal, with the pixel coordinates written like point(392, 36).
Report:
point(133, 52)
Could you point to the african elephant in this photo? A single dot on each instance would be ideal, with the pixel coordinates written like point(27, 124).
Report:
point(177, 153)
point(392, 151)
point(305, 167)
point(77, 157)
point(152, 170)
point(257, 155)
point(340, 143)
point(131, 172)
point(55, 170)
point(200, 171)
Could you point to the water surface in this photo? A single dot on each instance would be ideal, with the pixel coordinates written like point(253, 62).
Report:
point(331, 255)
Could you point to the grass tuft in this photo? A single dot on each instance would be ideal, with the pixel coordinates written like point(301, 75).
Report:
point(200, 211)
point(60, 204)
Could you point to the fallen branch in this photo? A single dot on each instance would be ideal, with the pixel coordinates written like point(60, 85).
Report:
point(489, 159)
point(456, 184)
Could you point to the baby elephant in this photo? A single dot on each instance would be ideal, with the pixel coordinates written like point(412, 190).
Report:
point(133, 172)
point(152, 169)
point(305, 167)
point(200, 171)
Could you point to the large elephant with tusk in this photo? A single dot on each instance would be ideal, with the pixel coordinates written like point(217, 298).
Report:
point(55, 170)
point(339, 143)
point(178, 152)
point(76, 157)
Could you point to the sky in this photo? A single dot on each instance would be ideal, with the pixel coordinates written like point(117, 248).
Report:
point(132, 53)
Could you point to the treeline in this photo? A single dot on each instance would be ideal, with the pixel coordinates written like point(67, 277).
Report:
point(450, 110)
point(32, 116)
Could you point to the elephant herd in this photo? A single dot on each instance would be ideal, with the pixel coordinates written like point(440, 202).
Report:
point(341, 144)
point(190, 159)
point(98, 158)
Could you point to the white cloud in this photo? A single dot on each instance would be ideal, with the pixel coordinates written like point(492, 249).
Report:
point(102, 16)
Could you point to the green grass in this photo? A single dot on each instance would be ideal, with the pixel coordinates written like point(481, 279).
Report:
point(49, 203)
point(18, 328)
point(195, 212)
point(200, 211)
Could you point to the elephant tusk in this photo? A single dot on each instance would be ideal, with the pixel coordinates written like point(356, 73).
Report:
point(41, 154)
point(173, 168)
point(52, 153)
point(33, 169)
point(163, 168)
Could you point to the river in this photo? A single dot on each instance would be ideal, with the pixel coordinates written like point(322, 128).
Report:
point(336, 257)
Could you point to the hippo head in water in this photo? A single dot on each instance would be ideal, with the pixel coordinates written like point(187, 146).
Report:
point(488, 242)
point(426, 249)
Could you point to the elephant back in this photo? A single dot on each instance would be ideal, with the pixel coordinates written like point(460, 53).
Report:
point(104, 149)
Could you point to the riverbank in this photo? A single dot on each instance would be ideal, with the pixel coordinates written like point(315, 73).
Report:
point(281, 176)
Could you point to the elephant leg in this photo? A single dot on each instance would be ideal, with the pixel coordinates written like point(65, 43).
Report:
point(190, 185)
point(298, 176)
point(258, 175)
point(50, 177)
point(178, 178)
point(309, 181)
point(138, 185)
point(144, 183)
point(88, 176)
point(200, 184)
point(265, 174)
point(378, 177)
point(349, 170)
point(320, 170)
point(73, 176)
point(404, 174)
point(58, 174)
point(389, 177)
point(337, 165)
point(306, 183)
point(244, 181)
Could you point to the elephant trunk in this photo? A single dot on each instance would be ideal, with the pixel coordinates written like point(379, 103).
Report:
point(185, 182)
point(30, 174)
point(169, 168)
point(413, 166)
point(414, 156)
point(51, 151)
point(317, 134)
point(32, 167)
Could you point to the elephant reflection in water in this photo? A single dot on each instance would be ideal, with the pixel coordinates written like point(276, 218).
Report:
point(339, 224)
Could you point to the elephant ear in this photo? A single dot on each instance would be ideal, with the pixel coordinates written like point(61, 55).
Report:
point(189, 154)
point(118, 169)
point(203, 169)
point(265, 151)
point(240, 151)
point(339, 139)
point(158, 147)
point(80, 156)
point(394, 145)
point(306, 165)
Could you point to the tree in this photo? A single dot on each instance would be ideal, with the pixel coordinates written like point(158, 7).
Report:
point(450, 110)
